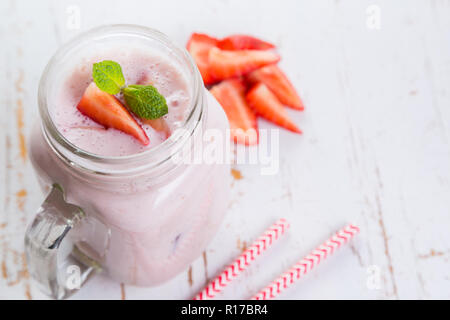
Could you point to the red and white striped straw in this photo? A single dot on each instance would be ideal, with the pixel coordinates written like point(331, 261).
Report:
point(244, 260)
point(302, 267)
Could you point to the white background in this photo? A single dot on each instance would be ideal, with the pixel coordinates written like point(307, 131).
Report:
point(375, 148)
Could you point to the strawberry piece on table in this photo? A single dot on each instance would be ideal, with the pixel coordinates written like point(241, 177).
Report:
point(199, 46)
point(231, 95)
point(268, 106)
point(108, 111)
point(225, 64)
point(243, 42)
point(279, 84)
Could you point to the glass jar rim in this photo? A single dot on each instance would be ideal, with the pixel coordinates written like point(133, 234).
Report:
point(153, 156)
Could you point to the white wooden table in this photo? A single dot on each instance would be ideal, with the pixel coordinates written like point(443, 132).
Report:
point(375, 149)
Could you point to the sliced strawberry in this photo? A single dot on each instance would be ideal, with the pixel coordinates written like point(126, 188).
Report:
point(199, 46)
point(231, 95)
point(267, 105)
point(225, 64)
point(159, 125)
point(243, 42)
point(276, 80)
point(108, 111)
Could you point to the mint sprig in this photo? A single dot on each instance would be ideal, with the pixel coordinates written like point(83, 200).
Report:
point(108, 76)
point(143, 100)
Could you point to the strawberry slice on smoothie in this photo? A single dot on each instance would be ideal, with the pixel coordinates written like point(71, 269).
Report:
point(108, 111)
point(224, 64)
point(231, 96)
point(243, 42)
point(268, 106)
point(279, 84)
point(159, 125)
point(199, 46)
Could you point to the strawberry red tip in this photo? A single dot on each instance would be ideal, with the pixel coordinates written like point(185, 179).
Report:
point(266, 104)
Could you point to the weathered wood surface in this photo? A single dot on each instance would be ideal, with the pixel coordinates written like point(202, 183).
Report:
point(375, 149)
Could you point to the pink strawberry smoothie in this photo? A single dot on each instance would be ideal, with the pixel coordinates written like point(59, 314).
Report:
point(142, 227)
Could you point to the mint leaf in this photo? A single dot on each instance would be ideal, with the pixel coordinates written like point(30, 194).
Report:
point(108, 76)
point(145, 101)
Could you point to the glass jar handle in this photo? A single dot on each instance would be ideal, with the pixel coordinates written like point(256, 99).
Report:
point(54, 259)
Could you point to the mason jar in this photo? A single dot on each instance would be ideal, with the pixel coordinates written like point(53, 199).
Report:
point(140, 218)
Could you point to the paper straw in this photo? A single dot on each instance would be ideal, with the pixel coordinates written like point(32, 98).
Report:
point(244, 260)
point(307, 263)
